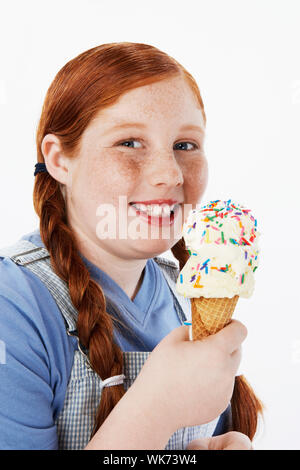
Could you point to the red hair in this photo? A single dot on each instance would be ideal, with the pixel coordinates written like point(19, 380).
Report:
point(85, 85)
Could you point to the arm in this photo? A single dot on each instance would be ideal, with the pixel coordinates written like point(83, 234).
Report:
point(155, 406)
point(134, 423)
point(26, 418)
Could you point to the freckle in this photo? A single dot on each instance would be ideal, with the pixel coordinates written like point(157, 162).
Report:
point(119, 170)
point(128, 167)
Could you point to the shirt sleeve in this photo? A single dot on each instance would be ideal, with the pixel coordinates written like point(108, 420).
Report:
point(26, 395)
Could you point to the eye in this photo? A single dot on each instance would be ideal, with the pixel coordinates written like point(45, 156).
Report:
point(131, 139)
point(190, 143)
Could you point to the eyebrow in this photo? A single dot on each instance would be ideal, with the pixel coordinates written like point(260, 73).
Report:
point(140, 125)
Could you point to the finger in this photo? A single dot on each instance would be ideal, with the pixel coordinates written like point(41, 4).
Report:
point(232, 440)
point(199, 444)
point(231, 336)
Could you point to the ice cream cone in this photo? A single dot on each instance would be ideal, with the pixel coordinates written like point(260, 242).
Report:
point(222, 242)
point(210, 315)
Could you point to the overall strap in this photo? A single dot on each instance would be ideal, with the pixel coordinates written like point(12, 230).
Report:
point(171, 273)
point(20, 248)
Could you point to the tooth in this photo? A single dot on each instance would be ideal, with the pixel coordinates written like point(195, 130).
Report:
point(143, 207)
point(156, 210)
point(166, 210)
point(150, 209)
point(140, 207)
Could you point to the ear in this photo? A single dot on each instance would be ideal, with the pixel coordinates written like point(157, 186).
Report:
point(56, 162)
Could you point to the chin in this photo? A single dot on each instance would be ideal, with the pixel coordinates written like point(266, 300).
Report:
point(151, 248)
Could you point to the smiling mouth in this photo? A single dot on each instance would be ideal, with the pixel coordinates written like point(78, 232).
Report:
point(156, 210)
point(161, 216)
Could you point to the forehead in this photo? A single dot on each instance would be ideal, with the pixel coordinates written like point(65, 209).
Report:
point(169, 99)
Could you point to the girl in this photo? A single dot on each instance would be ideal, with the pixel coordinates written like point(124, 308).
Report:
point(86, 317)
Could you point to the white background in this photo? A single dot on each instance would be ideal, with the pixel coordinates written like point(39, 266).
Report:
point(245, 58)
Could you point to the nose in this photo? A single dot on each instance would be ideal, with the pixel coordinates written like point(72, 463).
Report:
point(163, 169)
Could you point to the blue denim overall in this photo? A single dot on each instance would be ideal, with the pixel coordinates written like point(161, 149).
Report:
point(76, 419)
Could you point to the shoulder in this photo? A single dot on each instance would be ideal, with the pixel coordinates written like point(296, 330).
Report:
point(29, 313)
point(18, 287)
point(14, 284)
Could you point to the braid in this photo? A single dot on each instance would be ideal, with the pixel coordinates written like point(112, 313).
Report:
point(94, 324)
point(180, 252)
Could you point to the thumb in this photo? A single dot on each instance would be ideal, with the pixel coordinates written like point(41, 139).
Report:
point(180, 333)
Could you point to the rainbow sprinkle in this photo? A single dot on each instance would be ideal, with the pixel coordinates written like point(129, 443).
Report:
point(218, 214)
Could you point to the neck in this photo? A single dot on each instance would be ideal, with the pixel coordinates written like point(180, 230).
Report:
point(127, 273)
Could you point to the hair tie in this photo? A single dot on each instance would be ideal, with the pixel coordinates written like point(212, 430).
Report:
point(115, 380)
point(40, 168)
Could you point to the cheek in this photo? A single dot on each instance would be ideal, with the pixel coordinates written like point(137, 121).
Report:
point(195, 173)
point(116, 174)
point(128, 168)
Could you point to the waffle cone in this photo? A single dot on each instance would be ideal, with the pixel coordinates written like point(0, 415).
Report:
point(210, 315)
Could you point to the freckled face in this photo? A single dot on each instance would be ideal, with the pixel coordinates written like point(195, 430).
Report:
point(158, 161)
